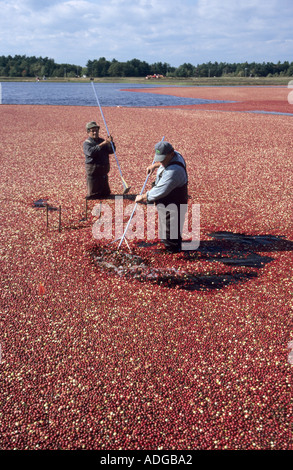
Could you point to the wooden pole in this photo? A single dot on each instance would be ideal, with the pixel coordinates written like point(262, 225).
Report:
point(59, 218)
point(47, 214)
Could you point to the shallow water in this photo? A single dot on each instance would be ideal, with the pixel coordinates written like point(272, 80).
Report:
point(82, 94)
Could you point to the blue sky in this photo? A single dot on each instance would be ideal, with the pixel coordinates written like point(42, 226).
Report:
point(192, 31)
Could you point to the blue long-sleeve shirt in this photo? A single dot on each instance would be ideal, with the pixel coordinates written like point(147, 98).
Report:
point(167, 179)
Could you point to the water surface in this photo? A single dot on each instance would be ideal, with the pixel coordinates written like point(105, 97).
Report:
point(82, 94)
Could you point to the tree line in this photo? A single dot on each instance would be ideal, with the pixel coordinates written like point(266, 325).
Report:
point(23, 66)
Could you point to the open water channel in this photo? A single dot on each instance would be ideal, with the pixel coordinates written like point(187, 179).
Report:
point(82, 94)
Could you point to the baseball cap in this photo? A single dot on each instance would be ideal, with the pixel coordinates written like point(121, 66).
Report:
point(162, 149)
point(91, 125)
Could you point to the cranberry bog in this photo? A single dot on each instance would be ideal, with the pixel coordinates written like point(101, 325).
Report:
point(190, 351)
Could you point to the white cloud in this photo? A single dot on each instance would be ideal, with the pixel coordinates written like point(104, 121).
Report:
point(193, 31)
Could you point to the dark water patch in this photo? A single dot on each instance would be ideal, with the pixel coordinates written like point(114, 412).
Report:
point(238, 249)
point(241, 253)
point(131, 266)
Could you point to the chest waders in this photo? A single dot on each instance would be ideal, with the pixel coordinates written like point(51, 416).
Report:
point(97, 176)
point(171, 210)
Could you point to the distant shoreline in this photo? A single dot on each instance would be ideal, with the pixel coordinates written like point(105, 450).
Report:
point(202, 81)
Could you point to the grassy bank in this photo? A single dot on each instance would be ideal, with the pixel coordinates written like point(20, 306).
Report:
point(203, 81)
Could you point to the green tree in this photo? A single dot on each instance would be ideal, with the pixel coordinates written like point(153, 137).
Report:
point(99, 68)
point(116, 69)
point(185, 70)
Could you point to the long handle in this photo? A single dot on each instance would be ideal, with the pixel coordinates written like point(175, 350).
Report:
point(141, 192)
point(125, 185)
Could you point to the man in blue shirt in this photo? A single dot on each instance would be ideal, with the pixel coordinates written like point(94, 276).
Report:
point(169, 194)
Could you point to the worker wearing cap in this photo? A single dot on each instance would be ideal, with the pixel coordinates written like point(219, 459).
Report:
point(169, 193)
point(97, 162)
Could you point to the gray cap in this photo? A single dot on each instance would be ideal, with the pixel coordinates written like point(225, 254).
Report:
point(91, 125)
point(162, 150)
